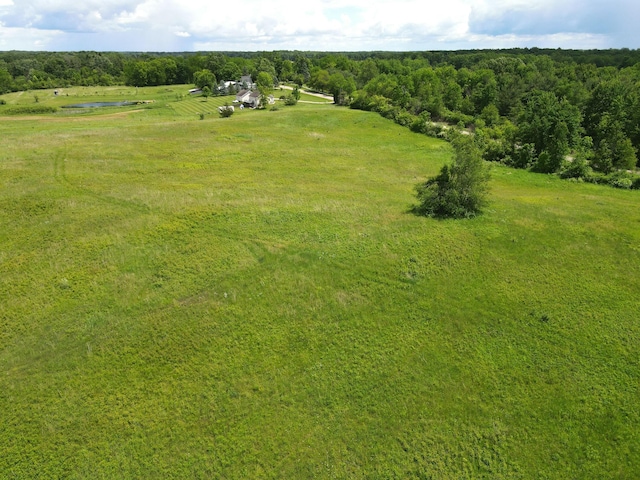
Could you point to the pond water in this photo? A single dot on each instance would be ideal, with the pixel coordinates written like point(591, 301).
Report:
point(99, 104)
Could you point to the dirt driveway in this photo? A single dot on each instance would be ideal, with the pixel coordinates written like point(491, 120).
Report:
point(307, 92)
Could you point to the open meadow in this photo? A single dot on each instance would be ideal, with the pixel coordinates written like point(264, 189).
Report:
point(250, 297)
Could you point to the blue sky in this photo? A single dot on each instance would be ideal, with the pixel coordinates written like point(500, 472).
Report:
point(321, 25)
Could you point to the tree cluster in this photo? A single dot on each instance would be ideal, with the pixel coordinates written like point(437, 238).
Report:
point(526, 110)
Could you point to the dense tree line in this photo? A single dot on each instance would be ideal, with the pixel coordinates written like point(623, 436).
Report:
point(528, 111)
point(37, 70)
point(569, 111)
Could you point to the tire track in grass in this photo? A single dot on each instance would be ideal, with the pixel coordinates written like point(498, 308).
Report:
point(60, 175)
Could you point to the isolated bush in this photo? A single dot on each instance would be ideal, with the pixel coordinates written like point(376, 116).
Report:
point(3, 101)
point(226, 111)
point(289, 100)
point(460, 189)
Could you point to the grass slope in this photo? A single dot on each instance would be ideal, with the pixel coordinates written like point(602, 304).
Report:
point(249, 298)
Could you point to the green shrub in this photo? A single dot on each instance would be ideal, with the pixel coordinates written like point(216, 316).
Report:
point(460, 189)
point(419, 124)
point(3, 101)
point(458, 118)
point(226, 111)
point(404, 118)
point(360, 101)
point(495, 151)
point(547, 162)
point(595, 177)
point(434, 130)
point(380, 104)
point(523, 157)
point(625, 183)
point(479, 123)
point(578, 168)
point(620, 179)
point(290, 100)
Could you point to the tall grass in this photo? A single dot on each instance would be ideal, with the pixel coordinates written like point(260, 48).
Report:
point(251, 298)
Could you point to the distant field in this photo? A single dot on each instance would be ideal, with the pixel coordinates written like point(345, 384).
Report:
point(175, 98)
point(250, 298)
point(117, 93)
point(304, 97)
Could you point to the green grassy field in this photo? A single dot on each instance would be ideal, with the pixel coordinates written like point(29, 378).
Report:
point(171, 100)
point(250, 298)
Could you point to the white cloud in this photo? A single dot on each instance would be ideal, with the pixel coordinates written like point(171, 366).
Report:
point(27, 38)
point(322, 24)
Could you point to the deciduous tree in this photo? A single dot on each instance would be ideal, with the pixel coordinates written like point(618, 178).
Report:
point(460, 189)
point(552, 126)
point(204, 78)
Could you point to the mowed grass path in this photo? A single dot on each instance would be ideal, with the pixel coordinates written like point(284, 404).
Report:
point(249, 298)
point(194, 106)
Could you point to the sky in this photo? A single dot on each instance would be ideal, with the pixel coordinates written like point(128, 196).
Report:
point(316, 25)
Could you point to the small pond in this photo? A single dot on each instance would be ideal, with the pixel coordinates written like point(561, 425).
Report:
point(99, 104)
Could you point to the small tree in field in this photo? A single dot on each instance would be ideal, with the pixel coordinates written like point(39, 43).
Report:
point(265, 87)
point(460, 189)
point(204, 78)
